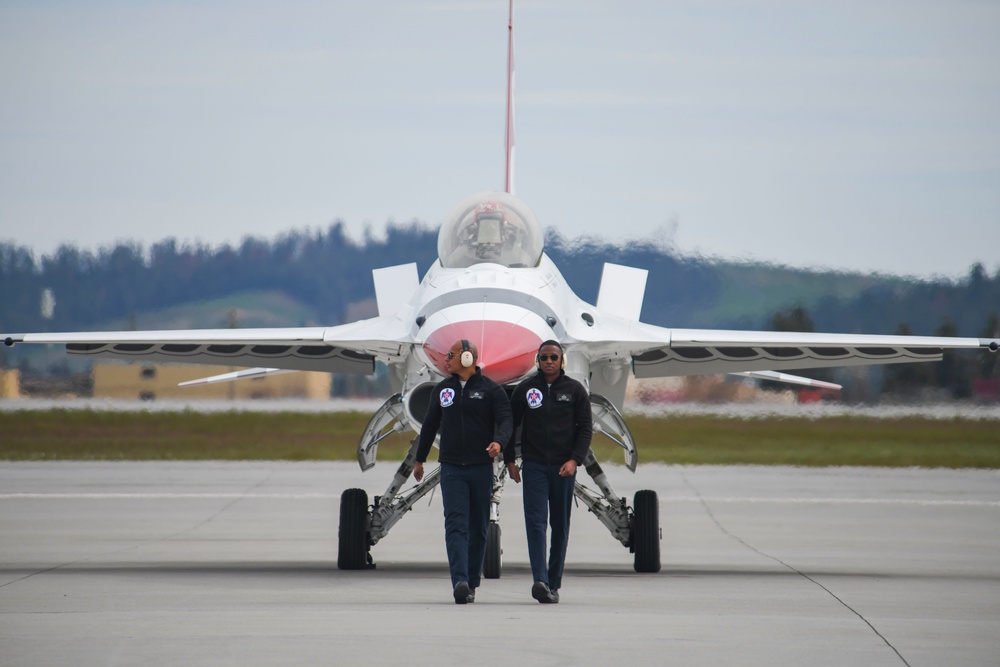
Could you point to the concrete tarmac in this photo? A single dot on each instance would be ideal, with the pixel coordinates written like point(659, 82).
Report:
point(235, 564)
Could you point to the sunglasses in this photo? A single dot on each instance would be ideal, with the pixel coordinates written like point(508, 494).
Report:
point(450, 355)
point(548, 357)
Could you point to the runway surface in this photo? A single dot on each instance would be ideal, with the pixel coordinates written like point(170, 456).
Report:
point(235, 564)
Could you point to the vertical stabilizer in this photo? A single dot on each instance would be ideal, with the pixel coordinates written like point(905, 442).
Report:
point(509, 152)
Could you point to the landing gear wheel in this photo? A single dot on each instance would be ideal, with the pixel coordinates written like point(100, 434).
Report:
point(646, 531)
point(494, 552)
point(352, 548)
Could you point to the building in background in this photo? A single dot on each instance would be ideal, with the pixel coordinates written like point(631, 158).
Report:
point(10, 383)
point(159, 381)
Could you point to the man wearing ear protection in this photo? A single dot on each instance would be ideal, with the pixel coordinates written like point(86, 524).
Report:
point(553, 410)
point(472, 413)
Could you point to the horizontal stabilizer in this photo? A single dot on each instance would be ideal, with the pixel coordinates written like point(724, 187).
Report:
point(789, 379)
point(236, 375)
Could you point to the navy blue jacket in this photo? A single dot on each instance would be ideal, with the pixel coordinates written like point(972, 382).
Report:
point(556, 421)
point(469, 419)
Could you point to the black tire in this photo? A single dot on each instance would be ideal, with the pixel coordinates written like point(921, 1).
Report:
point(646, 531)
point(352, 547)
point(493, 563)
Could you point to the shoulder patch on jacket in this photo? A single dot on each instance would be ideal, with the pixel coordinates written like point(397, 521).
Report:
point(447, 397)
point(534, 398)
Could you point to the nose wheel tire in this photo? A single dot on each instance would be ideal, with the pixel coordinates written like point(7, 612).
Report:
point(494, 552)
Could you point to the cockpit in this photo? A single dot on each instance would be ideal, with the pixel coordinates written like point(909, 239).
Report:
point(490, 227)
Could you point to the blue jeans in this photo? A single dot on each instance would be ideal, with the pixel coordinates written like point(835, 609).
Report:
point(465, 494)
point(548, 498)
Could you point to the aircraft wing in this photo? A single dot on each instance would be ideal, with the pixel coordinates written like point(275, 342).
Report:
point(661, 352)
point(348, 348)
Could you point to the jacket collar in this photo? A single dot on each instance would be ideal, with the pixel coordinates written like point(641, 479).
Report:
point(541, 376)
point(478, 373)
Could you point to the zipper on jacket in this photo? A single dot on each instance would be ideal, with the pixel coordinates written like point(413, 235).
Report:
point(462, 417)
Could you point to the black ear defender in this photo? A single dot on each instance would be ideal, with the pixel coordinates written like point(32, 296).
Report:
point(467, 357)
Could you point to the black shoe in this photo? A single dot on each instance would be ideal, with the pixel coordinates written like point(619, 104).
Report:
point(462, 592)
point(540, 591)
point(555, 595)
point(471, 597)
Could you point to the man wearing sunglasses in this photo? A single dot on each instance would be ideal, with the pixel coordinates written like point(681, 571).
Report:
point(472, 412)
point(553, 410)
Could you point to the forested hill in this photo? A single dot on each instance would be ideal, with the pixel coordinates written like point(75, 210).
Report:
point(324, 277)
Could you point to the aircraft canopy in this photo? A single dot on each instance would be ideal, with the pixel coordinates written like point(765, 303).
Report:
point(490, 227)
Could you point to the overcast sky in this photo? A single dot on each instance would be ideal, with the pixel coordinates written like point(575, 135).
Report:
point(859, 135)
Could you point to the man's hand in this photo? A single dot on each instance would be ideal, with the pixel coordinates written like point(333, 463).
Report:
point(493, 449)
point(514, 472)
point(418, 471)
point(568, 469)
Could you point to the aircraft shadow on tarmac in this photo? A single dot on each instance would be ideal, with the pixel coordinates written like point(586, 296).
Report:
point(405, 570)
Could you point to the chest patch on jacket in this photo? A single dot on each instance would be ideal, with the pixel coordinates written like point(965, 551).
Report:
point(477, 395)
point(447, 397)
point(564, 398)
point(534, 398)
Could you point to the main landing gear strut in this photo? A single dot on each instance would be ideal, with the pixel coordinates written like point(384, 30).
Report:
point(363, 525)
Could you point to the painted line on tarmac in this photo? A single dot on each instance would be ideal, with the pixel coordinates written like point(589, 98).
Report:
point(167, 496)
point(663, 499)
point(851, 501)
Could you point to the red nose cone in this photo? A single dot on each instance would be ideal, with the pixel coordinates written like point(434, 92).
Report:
point(506, 351)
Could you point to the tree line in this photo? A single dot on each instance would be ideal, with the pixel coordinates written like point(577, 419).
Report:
point(960, 374)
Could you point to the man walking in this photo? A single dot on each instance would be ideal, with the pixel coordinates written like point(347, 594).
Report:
point(554, 411)
point(473, 416)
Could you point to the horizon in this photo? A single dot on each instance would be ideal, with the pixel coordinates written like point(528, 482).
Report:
point(379, 235)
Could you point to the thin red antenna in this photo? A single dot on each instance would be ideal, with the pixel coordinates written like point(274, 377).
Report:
point(509, 174)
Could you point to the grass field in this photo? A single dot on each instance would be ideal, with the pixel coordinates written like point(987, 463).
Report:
point(832, 441)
